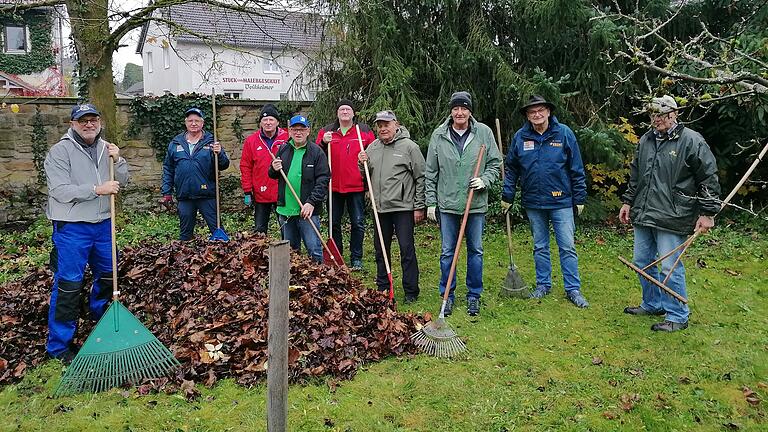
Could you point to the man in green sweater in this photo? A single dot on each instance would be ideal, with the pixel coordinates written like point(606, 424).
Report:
point(451, 158)
point(397, 181)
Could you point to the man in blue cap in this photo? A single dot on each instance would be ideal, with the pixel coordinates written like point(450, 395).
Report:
point(306, 168)
point(189, 171)
point(79, 186)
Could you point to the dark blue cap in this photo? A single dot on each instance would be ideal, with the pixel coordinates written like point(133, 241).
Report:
point(298, 119)
point(194, 110)
point(84, 109)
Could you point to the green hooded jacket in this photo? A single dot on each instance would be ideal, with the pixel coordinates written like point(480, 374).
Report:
point(397, 173)
point(448, 172)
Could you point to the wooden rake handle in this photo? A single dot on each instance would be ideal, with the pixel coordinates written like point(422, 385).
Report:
point(463, 227)
point(653, 280)
point(298, 200)
point(216, 159)
point(112, 217)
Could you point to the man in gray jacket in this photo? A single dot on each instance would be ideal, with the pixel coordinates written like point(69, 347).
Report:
point(77, 171)
point(397, 181)
point(673, 190)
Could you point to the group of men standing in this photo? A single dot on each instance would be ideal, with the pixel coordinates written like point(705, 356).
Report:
point(673, 190)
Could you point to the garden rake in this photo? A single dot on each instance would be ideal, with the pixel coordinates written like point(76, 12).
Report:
point(684, 245)
point(514, 286)
point(437, 338)
point(332, 250)
point(219, 234)
point(120, 349)
point(376, 219)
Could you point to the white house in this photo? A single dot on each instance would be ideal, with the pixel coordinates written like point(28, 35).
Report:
point(195, 47)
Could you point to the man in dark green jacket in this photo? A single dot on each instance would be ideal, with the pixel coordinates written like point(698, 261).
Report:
point(451, 157)
point(397, 181)
point(673, 191)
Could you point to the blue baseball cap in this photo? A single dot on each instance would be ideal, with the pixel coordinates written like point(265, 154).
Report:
point(298, 119)
point(84, 109)
point(194, 110)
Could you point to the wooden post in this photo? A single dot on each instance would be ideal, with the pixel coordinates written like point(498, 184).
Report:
point(277, 339)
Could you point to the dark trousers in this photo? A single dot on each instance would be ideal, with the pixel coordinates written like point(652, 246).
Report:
point(401, 224)
point(355, 204)
point(188, 215)
point(261, 213)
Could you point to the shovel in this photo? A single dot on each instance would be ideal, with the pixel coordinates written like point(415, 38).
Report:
point(331, 253)
point(218, 234)
point(513, 284)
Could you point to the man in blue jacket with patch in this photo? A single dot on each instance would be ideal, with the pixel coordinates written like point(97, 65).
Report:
point(188, 169)
point(544, 156)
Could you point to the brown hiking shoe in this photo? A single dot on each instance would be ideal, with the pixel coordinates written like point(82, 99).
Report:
point(669, 326)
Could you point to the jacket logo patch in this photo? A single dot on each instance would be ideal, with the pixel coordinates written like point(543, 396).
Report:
point(673, 153)
point(527, 145)
point(179, 148)
point(397, 155)
point(204, 187)
point(258, 148)
point(556, 144)
point(310, 165)
point(263, 189)
point(557, 193)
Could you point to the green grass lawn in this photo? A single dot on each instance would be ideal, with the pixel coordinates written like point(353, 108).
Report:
point(530, 365)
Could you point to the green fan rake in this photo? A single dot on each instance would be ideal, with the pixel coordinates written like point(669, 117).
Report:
point(119, 350)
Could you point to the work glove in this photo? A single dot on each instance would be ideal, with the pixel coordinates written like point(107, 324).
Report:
point(579, 209)
point(167, 202)
point(247, 199)
point(505, 206)
point(432, 213)
point(477, 184)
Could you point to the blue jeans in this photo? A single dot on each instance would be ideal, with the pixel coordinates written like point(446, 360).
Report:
point(564, 227)
point(295, 229)
point(188, 215)
point(473, 234)
point(651, 243)
point(76, 244)
point(355, 204)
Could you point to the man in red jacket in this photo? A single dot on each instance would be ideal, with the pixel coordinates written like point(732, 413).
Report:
point(260, 190)
point(346, 181)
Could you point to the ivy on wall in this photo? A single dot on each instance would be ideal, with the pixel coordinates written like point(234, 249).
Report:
point(40, 55)
point(39, 146)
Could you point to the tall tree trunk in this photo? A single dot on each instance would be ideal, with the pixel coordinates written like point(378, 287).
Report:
point(90, 31)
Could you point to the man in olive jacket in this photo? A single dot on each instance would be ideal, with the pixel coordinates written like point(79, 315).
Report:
point(397, 181)
point(673, 191)
point(451, 158)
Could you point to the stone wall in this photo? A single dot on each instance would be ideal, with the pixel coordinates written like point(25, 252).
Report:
point(22, 201)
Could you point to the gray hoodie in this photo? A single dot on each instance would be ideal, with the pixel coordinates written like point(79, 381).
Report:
point(72, 174)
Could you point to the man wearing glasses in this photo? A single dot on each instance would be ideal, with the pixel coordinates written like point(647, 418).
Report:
point(306, 168)
point(79, 186)
point(545, 158)
point(673, 191)
point(188, 170)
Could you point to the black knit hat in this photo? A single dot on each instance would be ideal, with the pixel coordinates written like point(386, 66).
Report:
point(462, 99)
point(269, 110)
point(347, 102)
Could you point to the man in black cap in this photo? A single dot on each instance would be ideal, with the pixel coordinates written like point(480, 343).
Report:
point(188, 170)
point(79, 186)
point(544, 155)
point(451, 158)
point(259, 189)
point(340, 142)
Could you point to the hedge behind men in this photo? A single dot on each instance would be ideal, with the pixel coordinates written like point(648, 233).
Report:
point(450, 163)
point(544, 156)
point(306, 168)
point(259, 190)
point(77, 172)
point(347, 182)
point(673, 190)
point(189, 171)
point(397, 181)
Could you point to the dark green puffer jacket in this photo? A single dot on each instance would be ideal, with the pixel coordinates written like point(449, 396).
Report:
point(672, 182)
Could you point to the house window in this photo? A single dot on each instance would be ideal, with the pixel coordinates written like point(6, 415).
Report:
point(270, 66)
point(232, 94)
point(15, 39)
point(166, 56)
point(149, 62)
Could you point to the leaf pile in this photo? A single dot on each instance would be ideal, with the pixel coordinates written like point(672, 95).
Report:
point(208, 302)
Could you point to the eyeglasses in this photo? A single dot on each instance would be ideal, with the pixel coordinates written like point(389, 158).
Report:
point(541, 110)
point(85, 122)
point(302, 130)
